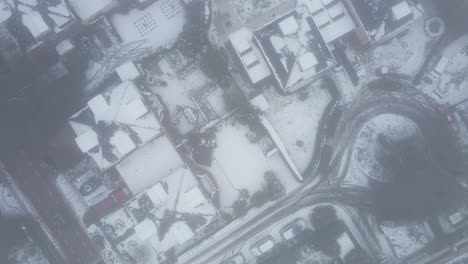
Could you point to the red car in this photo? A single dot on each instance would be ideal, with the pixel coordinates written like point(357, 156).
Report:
point(112, 202)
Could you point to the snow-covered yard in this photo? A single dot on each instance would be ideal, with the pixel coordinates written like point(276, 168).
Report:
point(191, 97)
point(10, 205)
point(296, 119)
point(403, 54)
point(241, 164)
point(355, 175)
point(406, 239)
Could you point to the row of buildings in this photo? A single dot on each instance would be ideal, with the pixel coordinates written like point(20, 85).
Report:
point(161, 206)
point(164, 205)
point(299, 46)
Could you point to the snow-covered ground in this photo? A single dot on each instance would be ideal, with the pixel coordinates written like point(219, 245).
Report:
point(407, 238)
point(403, 54)
point(27, 253)
point(10, 205)
point(355, 175)
point(186, 93)
point(395, 127)
point(296, 119)
point(307, 254)
point(240, 164)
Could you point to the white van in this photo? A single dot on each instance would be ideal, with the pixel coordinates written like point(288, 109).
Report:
point(439, 68)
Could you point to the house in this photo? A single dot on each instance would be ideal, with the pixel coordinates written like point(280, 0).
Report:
point(88, 10)
point(114, 124)
point(296, 52)
point(175, 211)
point(381, 20)
point(295, 48)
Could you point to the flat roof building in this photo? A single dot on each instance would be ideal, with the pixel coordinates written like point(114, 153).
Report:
point(251, 57)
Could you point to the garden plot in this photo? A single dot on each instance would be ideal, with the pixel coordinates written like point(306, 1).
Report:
point(296, 118)
point(192, 99)
point(103, 246)
point(249, 10)
point(406, 239)
point(241, 164)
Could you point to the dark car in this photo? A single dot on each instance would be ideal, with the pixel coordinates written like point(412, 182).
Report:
point(90, 186)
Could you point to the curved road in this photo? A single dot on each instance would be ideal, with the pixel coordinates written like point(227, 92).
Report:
point(325, 186)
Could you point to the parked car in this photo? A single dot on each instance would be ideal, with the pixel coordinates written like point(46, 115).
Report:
point(291, 230)
point(262, 247)
point(90, 186)
point(238, 259)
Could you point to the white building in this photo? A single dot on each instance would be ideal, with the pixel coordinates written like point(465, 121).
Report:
point(87, 10)
point(175, 200)
point(114, 124)
point(250, 55)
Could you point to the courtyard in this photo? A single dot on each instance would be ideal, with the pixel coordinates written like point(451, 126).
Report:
point(240, 164)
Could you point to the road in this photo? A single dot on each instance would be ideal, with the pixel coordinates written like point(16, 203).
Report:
point(38, 187)
point(326, 186)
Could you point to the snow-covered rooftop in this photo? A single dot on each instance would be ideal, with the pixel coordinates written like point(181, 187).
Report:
point(178, 208)
point(346, 244)
point(128, 71)
point(160, 23)
point(332, 18)
point(401, 11)
point(89, 9)
point(44, 18)
point(374, 13)
point(87, 141)
point(149, 165)
point(307, 61)
point(63, 47)
point(260, 102)
point(118, 121)
point(36, 25)
point(289, 26)
point(247, 49)
point(294, 53)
